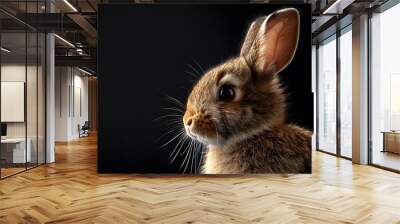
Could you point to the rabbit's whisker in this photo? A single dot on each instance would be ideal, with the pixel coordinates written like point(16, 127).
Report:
point(181, 138)
point(177, 148)
point(166, 116)
point(198, 157)
point(173, 118)
point(187, 155)
point(201, 158)
point(185, 146)
point(176, 136)
point(192, 74)
point(192, 154)
point(174, 122)
point(180, 148)
point(166, 133)
point(173, 109)
point(194, 157)
point(198, 65)
point(194, 70)
point(176, 101)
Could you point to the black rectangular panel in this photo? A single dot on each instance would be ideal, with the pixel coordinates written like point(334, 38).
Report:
point(146, 52)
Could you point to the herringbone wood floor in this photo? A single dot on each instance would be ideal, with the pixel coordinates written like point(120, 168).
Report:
point(71, 191)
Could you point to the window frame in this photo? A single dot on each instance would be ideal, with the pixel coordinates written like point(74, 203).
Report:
point(334, 37)
point(378, 10)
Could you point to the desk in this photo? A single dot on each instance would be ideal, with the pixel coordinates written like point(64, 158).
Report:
point(391, 141)
point(13, 150)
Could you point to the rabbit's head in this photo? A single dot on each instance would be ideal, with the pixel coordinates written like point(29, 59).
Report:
point(243, 94)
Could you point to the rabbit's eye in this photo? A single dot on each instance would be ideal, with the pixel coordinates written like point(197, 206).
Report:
point(226, 93)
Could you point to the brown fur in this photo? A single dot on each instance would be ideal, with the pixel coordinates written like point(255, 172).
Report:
point(283, 149)
point(248, 134)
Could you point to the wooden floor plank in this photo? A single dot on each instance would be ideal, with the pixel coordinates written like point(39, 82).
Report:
point(71, 191)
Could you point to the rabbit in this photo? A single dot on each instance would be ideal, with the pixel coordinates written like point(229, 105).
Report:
point(237, 109)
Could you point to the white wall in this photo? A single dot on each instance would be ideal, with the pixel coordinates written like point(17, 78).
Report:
point(81, 104)
point(17, 72)
point(71, 102)
point(9, 73)
point(33, 127)
point(62, 81)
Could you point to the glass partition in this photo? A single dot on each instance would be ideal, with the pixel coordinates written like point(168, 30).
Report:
point(22, 88)
point(385, 89)
point(327, 96)
point(31, 99)
point(14, 153)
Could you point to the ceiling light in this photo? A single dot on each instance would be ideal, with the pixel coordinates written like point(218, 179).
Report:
point(70, 5)
point(328, 10)
point(79, 51)
point(84, 71)
point(65, 41)
point(5, 50)
point(338, 6)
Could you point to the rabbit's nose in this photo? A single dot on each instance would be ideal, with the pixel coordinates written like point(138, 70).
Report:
point(189, 122)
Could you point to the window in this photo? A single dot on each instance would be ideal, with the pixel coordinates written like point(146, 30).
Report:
point(346, 92)
point(327, 96)
point(385, 89)
point(334, 106)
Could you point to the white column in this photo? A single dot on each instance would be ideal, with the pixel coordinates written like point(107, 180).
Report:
point(314, 91)
point(50, 100)
point(360, 90)
point(50, 92)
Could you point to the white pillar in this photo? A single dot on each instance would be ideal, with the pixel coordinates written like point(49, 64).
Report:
point(314, 91)
point(360, 90)
point(50, 93)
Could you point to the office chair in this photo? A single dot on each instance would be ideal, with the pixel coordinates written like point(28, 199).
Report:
point(84, 130)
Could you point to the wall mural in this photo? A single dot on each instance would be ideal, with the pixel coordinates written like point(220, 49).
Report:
point(205, 89)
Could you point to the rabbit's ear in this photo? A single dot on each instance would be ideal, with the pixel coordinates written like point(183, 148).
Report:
point(251, 35)
point(276, 41)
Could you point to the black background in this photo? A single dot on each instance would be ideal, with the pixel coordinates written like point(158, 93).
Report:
point(144, 51)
